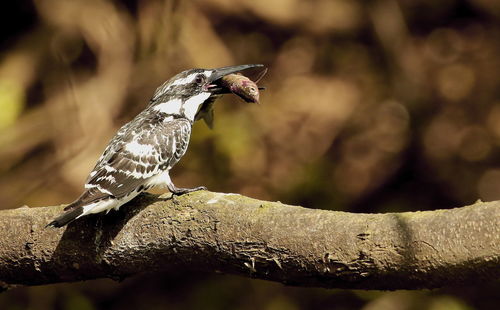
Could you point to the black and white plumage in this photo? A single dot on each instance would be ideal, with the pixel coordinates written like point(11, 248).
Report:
point(144, 150)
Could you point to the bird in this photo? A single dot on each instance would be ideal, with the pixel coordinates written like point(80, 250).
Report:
point(143, 151)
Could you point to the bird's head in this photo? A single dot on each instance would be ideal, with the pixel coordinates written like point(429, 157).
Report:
point(191, 93)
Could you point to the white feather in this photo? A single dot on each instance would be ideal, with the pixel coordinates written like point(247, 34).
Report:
point(138, 149)
point(102, 190)
point(192, 105)
point(106, 205)
point(162, 179)
point(139, 175)
point(108, 168)
point(109, 178)
point(174, 147)
point(188, 79)
point(169, 107)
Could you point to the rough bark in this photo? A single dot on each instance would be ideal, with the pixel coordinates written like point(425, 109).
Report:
point(233, 234)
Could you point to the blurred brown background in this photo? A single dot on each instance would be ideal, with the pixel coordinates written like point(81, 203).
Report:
point(370, 106)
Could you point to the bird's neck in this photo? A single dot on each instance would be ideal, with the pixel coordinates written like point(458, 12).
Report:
point(184, 108)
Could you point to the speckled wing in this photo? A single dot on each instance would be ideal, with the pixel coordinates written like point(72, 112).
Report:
point(141, 150)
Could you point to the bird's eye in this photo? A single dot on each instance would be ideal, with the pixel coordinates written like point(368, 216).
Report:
point(199, 79)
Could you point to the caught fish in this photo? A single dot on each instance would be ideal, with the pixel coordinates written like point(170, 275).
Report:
point(242, 86)
point(237, 84)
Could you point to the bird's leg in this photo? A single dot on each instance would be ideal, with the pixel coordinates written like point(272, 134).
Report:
point(179, 191)
point(167, 182)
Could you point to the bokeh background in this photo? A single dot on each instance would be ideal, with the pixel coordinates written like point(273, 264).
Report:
point(370, 106)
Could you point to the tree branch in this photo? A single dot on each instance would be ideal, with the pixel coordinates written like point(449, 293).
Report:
point(234, 234)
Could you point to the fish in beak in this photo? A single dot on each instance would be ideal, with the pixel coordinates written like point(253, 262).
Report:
point(227, 80)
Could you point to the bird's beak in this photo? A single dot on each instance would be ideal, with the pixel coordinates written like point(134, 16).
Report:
point(221, 72)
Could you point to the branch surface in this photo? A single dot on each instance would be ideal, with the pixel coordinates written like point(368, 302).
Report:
point(234, 234)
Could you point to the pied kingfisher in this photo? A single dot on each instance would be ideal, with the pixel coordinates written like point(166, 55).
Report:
point(144, 150)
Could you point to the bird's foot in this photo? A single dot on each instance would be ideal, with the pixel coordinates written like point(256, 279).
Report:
point(179, 191)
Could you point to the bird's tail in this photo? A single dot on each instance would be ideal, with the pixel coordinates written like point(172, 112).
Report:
point(74, 210)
